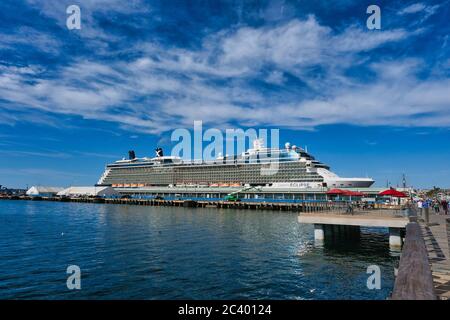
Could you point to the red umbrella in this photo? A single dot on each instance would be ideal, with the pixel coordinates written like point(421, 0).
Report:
point(393, 193)
point(354, 193)
point(337, 191)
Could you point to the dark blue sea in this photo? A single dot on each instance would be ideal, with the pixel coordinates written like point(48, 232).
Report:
point(134, 252)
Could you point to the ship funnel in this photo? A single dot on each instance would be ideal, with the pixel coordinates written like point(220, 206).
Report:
point(159, 152)
point(287, 145)
point(131, 155)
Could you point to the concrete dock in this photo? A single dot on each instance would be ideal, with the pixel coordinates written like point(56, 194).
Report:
point(394, 220)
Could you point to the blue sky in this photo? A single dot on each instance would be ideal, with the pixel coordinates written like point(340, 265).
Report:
point(366, 102)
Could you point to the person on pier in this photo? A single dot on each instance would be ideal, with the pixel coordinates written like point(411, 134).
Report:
point(444, 204)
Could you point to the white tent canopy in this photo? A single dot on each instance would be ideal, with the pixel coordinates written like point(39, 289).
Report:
point(89, 192)
point(43, 191)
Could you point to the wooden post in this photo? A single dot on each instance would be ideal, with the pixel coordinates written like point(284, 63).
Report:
point(427, 214)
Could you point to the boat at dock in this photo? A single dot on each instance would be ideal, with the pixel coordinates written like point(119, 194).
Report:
point(288, 167)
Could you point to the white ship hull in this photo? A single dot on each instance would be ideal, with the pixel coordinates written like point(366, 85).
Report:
point(332, 180)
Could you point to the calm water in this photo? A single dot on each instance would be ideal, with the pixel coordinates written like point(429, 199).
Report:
point(131, 252)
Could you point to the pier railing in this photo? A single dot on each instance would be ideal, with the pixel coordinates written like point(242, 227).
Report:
point(414, 280)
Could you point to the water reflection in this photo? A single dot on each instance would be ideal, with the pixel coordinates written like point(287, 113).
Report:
point(179, 253)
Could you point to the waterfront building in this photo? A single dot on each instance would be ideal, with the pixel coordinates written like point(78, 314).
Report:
point(40, 191)
point(11, 192)
point(89, 192)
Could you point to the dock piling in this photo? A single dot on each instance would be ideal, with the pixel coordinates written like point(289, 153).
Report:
point(395, 238)
point(319, 232)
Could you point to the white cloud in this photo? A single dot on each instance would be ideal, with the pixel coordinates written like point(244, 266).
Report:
point(27, 36)
point(356, 39)
point(166, 88)
point(276, 77)
point(413, 8)
point(299, 43)
point(46, 154)
point(94, 35)
point(296, 43)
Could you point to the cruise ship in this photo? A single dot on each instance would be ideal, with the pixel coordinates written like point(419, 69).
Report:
point(288, 167)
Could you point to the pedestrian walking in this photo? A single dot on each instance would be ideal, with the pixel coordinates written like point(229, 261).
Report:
point(349, 208)
point(436, 206)
point(444, 204)
point(420, 206)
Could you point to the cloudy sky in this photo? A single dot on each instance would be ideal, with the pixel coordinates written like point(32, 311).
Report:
point(367, 102)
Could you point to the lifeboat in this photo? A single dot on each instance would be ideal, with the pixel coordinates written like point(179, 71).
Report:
point(140, 185)
point(127, 185)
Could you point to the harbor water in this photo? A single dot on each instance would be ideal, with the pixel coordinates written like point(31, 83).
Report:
point(136, 252)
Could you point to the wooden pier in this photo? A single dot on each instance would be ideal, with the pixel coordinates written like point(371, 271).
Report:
point(436, 234)
point(414, 280)
point(424, 270)
point(330, 207)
